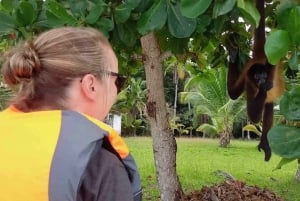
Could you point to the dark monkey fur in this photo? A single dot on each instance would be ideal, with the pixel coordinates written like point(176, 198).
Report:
point(261, 82)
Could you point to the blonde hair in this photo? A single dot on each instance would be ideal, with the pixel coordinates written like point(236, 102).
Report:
point(41, 70)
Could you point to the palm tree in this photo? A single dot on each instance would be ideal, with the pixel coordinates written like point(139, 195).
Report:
point(207, 93)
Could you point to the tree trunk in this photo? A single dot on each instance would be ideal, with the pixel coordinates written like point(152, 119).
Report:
point(224, 139)
point(164, 144)
point(225, 136)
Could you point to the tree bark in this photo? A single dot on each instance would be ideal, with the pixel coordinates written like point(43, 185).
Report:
point(225, 136)
point(164, 143)
point(224, 139)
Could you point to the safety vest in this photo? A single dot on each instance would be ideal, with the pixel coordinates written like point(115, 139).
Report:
point(44, 155)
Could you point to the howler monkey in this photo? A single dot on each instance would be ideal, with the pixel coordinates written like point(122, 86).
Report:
point(259, 80)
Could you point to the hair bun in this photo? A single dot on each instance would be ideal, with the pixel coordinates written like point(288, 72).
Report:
point(22, 64)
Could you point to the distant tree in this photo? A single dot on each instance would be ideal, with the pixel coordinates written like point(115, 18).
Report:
point(207, 94)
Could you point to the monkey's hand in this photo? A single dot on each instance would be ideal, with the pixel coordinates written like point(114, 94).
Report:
point(266, 86)
point(264, 145)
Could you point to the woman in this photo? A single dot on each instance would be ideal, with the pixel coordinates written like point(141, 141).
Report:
point(54, 145)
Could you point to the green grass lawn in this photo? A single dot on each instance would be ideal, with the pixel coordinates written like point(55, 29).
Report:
point(198, 160)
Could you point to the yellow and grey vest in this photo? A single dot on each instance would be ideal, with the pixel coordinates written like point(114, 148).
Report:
point(63, 156)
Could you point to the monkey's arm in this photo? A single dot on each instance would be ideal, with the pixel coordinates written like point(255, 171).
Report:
point(235, 79)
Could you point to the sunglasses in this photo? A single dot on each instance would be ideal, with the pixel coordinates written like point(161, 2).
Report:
point(120, 81)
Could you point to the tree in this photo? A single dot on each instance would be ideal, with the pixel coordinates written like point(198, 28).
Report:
point(207, 94)
point(164, 144)
point(169, 24)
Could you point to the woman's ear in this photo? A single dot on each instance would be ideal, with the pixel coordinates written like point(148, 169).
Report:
point(88, 86)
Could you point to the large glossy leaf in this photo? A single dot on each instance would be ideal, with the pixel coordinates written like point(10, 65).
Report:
point(9, 4)
point(7, 23)
point(154, 18)
point(293, 24)
point(284, 141)
point(180, 26)
point(105, 25)
point(277, 45)
point(249, 11)
point(282, 14)
point(144, 5)
point(293, 61)
point(78, 8)
point(290, 104)
point(26, 14)
point(123, 11)
point(57, 15)
point(126, 34)
point(95, 13)
point(221, 7)
point(169, 42)
point(194, 8)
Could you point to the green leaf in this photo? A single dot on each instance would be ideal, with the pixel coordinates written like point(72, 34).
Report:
point(26, 14)
point(194, 8)
point(221, 7)
point(78, 8)
point(283, 162)
point(105, 25)
point(293, 24)
point(143, 6)
point(95, 13)
point(283, 11)
point(180, 26)
point(284, 141)
point(218, 23)
point(277, 45)
point(202, 22)
point(9, 5)
point(169, 42)
point(126, 34)
point(293, 61)
point(154, 18)
point(7, 23)
point(122, 12)
point(57, 15)
point(249, 11)
point(290, 104)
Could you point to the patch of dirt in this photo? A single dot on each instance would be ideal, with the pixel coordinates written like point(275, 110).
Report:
point(232, 190)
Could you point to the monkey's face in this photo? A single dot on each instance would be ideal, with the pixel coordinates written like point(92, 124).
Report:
point(259, 75)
